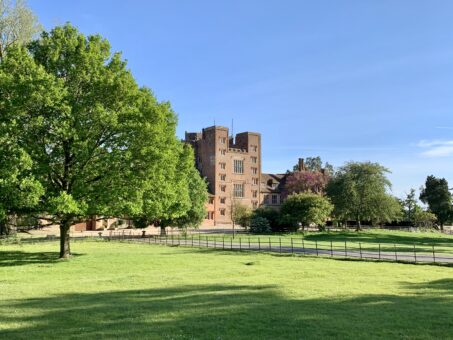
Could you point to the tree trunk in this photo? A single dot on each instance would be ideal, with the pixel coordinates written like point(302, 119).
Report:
point(65, 251)
point(163, 232)
point(441, 226)
point(359, 225)
point(3, 228)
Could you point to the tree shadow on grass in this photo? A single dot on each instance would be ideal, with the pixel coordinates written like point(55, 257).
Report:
point(231, 312)
point(19, 258)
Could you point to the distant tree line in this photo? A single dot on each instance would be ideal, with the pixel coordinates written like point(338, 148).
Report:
point(357, 192)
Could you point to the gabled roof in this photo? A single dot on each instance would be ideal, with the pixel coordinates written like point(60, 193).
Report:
point(277, 180)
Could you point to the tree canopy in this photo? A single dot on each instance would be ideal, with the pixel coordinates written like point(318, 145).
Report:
point(305, 181)
point(19, 191)
point(306, 208)
point(97, 143)
point(359, 192)
point(436, 195)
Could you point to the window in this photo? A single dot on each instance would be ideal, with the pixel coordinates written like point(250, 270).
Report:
point(274, 199)
point(222, 140)
point(223, 188)
point(255, 194)
point(222, 177)
point(255, 204)
point(223, 151)
point(238, 190)
point(266, 199)
point(211, 200)
point(238, 166)
point(254, 159)
point(255, 181)
point(254, 148)
point(210, 215)
point(222, 200)
point(254, 171)
point(222, 166)
point(222, 212)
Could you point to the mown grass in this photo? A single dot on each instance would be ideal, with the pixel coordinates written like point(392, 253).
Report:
point(137, 291)
point(368, 240)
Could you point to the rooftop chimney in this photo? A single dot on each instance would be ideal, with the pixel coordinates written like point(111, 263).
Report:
point(301, 165)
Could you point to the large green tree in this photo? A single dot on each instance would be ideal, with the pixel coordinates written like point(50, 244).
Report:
point(174, 196)
point(198, 196)
point(19, 191)
point(306, 208)
point(436, 195)
point(359, 191)
point(91, 134)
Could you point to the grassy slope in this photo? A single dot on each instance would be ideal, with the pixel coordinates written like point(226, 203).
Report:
point(141, 291)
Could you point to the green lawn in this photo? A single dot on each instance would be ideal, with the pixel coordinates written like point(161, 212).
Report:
point(370, 240)
point(138, 291)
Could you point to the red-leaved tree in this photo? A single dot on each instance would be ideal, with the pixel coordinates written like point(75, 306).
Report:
point(306, 181)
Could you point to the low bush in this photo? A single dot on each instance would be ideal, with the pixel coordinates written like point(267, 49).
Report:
point(259, 225)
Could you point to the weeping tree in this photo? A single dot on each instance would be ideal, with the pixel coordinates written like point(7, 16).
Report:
point(359, 191)
point(91, 135)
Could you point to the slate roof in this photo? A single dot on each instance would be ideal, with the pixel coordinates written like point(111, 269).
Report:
point(278, 183)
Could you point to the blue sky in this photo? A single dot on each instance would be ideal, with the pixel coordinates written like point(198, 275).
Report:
point(346, 80)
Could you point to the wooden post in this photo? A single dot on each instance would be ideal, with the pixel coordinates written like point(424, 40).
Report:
point(345, 249)
point(215, 242)
point(249, 243)
point(280, 241)
point(259, 244)
point(192, 240)
point(240, 244)
point(223, 242)
point(270, 246)
point(292, 247)
point(231, 243)
point(434, 255)
point(360, 247)
point(396, 254)
point(316, 245)
point(379, 250)
point(331, 249)
point(415, 254)
point(303, 245)
point(207, 242)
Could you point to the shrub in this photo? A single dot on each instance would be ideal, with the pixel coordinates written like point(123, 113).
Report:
point(259, 224)
point(272, 216)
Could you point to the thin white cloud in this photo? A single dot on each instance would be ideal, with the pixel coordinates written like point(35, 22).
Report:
point(436, 148)
point(444, 127)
